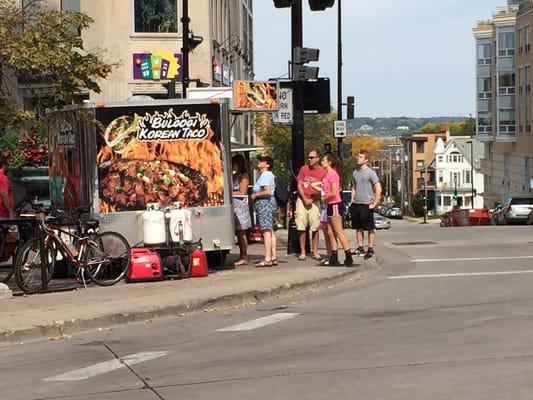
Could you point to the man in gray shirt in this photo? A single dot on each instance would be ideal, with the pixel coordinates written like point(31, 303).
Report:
point(366, 194)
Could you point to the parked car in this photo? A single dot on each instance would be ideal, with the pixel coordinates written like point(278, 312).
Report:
point(517, 210)
point(395, 212)
point(381, 222)
point(530, 218)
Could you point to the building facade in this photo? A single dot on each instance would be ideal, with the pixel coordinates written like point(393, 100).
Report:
point(504, 108)
point(458, 175)
point(144, 38)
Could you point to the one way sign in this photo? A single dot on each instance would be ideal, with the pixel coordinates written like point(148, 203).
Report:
point(339, 129)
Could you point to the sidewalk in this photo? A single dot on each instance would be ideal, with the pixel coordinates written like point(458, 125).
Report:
point(420, 220)
point(56, 315)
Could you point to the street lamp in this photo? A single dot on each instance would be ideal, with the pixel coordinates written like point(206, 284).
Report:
point(471, 142)
point(425, 192)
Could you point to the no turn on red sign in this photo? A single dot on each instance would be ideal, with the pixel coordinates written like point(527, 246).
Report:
point(285, 110)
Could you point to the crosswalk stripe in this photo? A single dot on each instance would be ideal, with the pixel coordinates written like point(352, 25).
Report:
point(107, 366)
point(259, 322)
point(460, 274)
point(427, 260)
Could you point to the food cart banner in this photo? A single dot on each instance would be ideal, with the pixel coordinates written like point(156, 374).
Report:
point(255, 96)
point(64, 158)
point(159, 154)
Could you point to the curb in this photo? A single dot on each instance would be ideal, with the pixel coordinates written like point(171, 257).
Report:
point(63, 329)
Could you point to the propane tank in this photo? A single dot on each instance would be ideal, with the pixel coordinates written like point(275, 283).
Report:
point(180, 225)
point(154, 230)
point(198, 262)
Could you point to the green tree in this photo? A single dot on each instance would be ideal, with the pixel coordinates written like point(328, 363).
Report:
point(42, 45)
point(277, 139)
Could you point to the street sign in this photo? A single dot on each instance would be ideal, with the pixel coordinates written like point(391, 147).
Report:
point(285, 110)
point(339, 129)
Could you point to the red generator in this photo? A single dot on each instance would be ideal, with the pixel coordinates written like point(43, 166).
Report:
point(145, 266)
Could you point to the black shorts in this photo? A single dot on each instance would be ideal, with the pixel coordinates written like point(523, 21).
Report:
point(362, 217)
point(334, 209)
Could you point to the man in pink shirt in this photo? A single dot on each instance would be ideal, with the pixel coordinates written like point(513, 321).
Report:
point(307, 213)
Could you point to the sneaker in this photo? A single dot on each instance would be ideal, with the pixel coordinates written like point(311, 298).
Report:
point(369, 253)
point(360, 251)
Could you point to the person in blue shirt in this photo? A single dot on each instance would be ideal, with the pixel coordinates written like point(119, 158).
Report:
point(265, 206)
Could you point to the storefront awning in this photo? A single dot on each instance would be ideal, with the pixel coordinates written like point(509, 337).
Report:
point(241, 147)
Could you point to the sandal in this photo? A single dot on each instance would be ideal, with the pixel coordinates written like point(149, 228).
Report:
point(263, 264)
point(301, 257)
point(274, 261)
point(240, 262)
point(317, 257)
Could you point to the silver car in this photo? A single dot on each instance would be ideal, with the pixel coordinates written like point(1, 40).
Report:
point(381, 222)
point(516, 210)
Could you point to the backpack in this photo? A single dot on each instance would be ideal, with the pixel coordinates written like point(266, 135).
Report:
point(281, 193)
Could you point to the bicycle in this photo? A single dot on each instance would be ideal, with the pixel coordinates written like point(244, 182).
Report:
point(104, 257)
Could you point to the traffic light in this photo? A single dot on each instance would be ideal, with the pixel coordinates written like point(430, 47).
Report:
point(301, 56)
point(320, 5)
point(194, 40)
point(282, 3)
point(350, 105)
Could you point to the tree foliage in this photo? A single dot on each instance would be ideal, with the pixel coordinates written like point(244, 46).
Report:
point(41, 45)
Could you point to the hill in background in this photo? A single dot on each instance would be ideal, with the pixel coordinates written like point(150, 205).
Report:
point(394, 126)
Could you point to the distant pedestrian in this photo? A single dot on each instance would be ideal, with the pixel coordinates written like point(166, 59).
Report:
point(332, 198)
point(307, 212)
point(366, 194)
point(265, 206)
point(240, 206)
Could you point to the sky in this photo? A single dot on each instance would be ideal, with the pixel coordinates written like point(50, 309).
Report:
point(413, 58)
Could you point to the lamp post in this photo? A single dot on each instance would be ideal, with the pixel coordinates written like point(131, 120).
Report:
point(471, 172)
point(339, 72)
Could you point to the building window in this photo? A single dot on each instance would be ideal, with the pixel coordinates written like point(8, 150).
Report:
point(440, 158)
point(527, 45)
point(466, 176)
point(455, 157)
point(506, 80)
point(155, 16)
point(447, 201)
point(420, 164)
point(506, 44)
point(419, 147)
point(455, 178)
point(484, 55)
point(441, 177)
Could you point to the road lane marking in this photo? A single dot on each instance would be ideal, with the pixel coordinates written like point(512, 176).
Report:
point(471, 259)
point(461, 274)
point(107, 366)
point(259, 322)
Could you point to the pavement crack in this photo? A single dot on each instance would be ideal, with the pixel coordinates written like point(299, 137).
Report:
point(142, 379)
point(353, 369)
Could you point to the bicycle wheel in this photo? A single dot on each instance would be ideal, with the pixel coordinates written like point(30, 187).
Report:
point(107, 258)
point(28, 266)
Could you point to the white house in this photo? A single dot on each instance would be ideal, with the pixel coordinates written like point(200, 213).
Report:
point(453, 173)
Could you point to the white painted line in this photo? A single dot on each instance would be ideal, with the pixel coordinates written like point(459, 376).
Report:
point(461, 274)
point(471, 259)
point(258, 323)
point(107, 366)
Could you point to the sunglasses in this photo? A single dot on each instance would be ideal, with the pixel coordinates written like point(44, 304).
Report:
point(311, 158)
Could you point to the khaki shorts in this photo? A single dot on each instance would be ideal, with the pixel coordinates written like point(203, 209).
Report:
point(307, 217)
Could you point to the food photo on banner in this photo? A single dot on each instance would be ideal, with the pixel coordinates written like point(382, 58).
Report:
point(152, 156)
point(255, 95)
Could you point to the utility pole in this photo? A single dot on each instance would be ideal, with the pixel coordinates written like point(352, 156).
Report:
point(185, 47)
point(471, 172)
point(425, 192)
point(339, 71)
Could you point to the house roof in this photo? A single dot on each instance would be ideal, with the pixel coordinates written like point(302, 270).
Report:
point(463, 146)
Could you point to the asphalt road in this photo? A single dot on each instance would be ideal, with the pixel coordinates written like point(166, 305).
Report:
point(448, 315)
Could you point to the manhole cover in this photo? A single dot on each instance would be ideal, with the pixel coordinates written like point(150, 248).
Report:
point(412, 243)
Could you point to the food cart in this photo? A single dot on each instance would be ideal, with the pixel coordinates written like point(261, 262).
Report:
point(118, 158)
